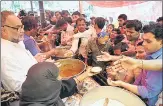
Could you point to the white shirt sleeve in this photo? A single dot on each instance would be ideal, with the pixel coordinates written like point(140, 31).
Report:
point(85, 34)
point(74, 46)
point(12, 79)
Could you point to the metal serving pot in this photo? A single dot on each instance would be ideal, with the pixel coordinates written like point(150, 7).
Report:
point(70, 68)
point(112, 93)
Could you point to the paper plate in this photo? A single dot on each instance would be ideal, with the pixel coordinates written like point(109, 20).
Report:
point(96, 69)
point(114, 94)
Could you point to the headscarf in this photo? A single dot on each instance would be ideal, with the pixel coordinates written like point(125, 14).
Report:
point(41, 87)
point(102, 34)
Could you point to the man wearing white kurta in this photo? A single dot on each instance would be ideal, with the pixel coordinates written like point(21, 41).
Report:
point(84, 34)
point(15, 59)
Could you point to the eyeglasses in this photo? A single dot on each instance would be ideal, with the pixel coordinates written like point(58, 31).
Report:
point(18, 27)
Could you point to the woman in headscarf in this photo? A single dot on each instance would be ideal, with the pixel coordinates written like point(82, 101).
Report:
point(42, 87)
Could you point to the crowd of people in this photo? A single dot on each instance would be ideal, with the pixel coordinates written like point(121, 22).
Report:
point(131, 56)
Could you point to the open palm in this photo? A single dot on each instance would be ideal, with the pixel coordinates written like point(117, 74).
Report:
point(104, 57)
point(114, 83)
point(126, 63)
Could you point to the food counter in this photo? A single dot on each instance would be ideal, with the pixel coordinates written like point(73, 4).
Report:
point(83, 88)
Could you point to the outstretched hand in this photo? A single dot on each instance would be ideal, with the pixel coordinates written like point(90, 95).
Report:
point(126, 63)
point(104, 57)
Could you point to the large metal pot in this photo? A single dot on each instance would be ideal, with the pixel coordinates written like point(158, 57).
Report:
point(70, 68)
point(60, 54)
point(112, 93)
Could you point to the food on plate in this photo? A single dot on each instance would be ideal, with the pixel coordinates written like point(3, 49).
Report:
point(96, 69)
point(68, 54)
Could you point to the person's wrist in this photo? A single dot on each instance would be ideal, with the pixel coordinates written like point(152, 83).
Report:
point(84, 75)
point(113, 58)
point(121, 83)
point(138, 63)
point(77, 80)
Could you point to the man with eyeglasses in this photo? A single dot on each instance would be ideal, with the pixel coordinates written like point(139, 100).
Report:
point(15, 60)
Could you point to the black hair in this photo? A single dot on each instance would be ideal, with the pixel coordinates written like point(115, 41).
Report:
point(60, 23)
point(140, 43)
point(100, 21)
point(134, 24)
point(52, 22)
point(57, 12)
point(76, 13)
point(29, 23)
point(118, 39)
point(111, 25)
point(117, 30)
point(123, 16)
point(160, 19)
point(125, 23)
point(22, 13)
point(64, 12)
point(68, 19)
point(122, 46)
point(80, 19)
point(84, 15)
point(155, 29)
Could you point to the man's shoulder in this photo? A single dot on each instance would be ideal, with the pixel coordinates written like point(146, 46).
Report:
point(6, 46)
point(92, 42)
point(28, 41)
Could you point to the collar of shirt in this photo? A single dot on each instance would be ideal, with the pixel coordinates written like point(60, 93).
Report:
point(26, 36)
point(9, 42)
point(156, 54)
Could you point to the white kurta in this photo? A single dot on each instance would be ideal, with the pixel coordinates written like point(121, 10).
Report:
point(15, 63)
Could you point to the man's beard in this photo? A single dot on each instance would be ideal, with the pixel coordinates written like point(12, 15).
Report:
point(18, 39)
point(15, 40)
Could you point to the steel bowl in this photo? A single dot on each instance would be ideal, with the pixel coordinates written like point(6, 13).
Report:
point(70, 68)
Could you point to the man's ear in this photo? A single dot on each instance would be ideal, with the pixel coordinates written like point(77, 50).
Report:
point(161, 42)
point(3, 31)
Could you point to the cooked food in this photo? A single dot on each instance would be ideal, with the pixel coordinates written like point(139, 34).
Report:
point(69, 54)
point(96, 69)
point(107, 102)
point(61, 52)
point(70, 67)
point(68, 70)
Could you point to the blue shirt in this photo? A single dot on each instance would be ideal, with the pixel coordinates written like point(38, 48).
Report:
point(153, 80)
point(30, 45)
